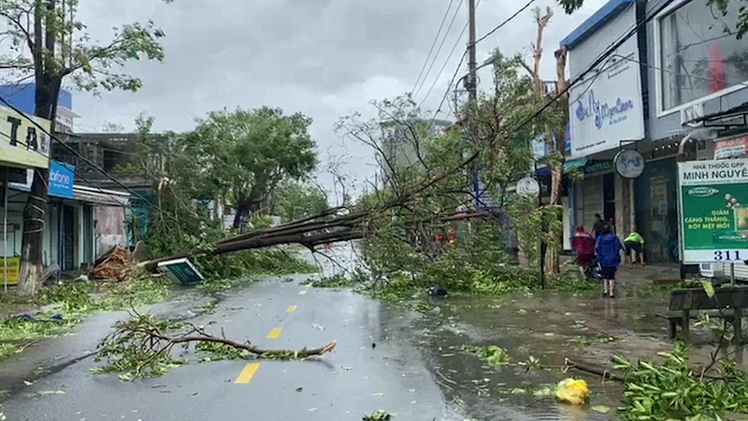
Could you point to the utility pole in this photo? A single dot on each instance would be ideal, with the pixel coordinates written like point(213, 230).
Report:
point(471, 82)
point(472, 86)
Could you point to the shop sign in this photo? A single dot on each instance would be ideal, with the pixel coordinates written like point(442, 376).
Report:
point(528, 187)
point(629, 163)
point(592, 167)
point(61, 177)
point(181, 271)
point(14, 269)
point(731, 147)
point(606, 107)
point(23, 143)
point(713, 218)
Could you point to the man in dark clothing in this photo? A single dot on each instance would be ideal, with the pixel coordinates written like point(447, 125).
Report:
point(597, 227)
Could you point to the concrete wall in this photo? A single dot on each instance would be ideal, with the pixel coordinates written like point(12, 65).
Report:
point(664, 124)
point(111, 228)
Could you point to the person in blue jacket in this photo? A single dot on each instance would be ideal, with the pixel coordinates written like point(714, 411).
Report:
point(608, 248)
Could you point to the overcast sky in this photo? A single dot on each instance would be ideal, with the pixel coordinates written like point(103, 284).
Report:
point(325, 58)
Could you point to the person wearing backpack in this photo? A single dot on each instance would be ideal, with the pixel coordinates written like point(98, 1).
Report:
point(608, 248)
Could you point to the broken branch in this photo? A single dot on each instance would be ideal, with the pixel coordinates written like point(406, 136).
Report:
point(143, 346)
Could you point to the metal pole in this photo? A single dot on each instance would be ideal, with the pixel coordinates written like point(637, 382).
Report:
point(472, 85)
point(5, 231)
point(732, 274)
point(542, 247)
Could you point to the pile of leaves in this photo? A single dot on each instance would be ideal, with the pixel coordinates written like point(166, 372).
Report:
point(672, 390)
point(83, 297)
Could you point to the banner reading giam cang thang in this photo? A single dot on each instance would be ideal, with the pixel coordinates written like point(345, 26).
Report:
point(23, 143)
point(713, 198)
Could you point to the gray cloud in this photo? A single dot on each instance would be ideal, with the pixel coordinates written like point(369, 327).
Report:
point(326, 58)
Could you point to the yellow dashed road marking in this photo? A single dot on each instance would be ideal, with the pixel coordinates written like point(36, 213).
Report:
point(274, 333)
point(246, 375)
point(302, 292)
point(291, 309)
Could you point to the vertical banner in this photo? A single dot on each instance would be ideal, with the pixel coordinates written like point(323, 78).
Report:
point(713, 216)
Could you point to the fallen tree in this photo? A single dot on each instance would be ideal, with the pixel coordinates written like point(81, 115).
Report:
point(144, 346)
point(310, 233)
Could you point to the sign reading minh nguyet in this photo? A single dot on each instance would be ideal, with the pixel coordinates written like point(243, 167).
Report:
point(606, 107)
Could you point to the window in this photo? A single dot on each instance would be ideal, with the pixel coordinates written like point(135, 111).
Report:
point(698, 56)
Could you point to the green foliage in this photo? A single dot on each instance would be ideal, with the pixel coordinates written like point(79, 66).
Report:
point(78, 298)
point(75, 300)
point(379, 415)
point(336, 281)
point(292, 201)
point(672, 390)
point(227, 271)
point(128, 351)
point(246, 154)
point(16, 329)
point(492, 355)
point(533, 224)
point(91, 65)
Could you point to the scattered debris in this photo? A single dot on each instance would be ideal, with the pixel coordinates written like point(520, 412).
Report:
point(142, 346)
point(494, 356)
point(601, 409)
point(573, 391)
point(378, 415)
point(112, 265)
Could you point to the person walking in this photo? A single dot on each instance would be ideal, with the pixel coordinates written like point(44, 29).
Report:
point(584, 246)
point(597, 226)
point(634, 243)
point(608, 248)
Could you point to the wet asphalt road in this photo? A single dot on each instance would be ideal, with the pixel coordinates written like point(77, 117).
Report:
point(353, 380)
point(417, 369)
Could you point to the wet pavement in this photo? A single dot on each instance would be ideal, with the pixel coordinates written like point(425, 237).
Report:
point(387, 357)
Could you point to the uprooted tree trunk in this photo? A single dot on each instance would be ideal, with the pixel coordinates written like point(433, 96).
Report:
point(310, 233)
point(144, 345)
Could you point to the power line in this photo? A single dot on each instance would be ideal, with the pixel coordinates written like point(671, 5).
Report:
point(501, 25)
point(441, 45)
point(509, 19)
point(433, 44)
point(83, 158)
point(436, 79)
point(600, 58)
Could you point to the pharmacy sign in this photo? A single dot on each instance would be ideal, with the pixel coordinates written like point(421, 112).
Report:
point(713, 216)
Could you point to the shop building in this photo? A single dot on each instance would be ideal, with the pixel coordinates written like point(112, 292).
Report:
point(673, 91)
point(606, 114)
point(696, 73)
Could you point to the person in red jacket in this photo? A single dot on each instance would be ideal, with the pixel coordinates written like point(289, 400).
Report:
point(584, 246)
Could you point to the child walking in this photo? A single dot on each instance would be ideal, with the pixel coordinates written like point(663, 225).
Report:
point(608, 249)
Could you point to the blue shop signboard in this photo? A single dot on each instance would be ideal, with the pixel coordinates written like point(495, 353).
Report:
point(61, 177)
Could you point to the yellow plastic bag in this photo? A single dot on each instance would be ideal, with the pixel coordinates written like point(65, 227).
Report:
point(573, 391)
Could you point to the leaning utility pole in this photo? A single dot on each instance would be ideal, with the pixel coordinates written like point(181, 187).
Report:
point(471, 82)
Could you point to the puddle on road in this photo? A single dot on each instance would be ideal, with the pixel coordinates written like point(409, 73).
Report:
point(547, 326)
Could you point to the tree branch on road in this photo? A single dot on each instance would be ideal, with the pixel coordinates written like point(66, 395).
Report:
point(144, 345)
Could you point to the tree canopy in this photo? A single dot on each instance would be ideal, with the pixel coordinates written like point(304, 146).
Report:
point(243, 155)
